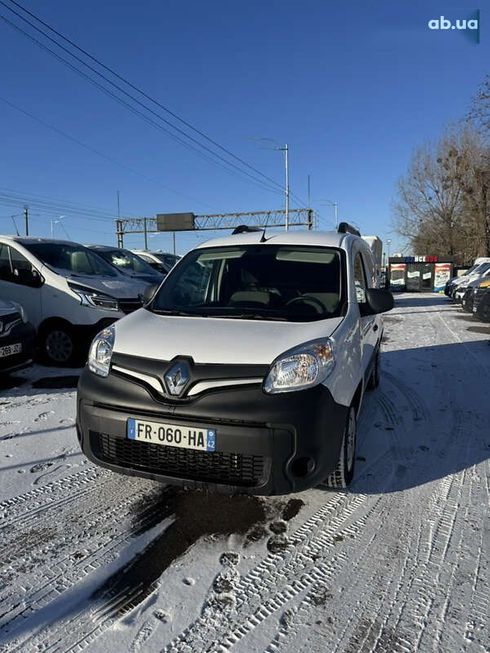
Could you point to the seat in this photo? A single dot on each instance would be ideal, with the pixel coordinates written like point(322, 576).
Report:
point(251, 297)
point(80, 263)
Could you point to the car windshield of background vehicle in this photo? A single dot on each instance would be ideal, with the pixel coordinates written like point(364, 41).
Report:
point(270, 282)
point(126, 261)
point(76, 259)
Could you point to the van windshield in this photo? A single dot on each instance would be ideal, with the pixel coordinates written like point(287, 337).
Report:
point(269, 282)
point(72, 258)
point(125, 261)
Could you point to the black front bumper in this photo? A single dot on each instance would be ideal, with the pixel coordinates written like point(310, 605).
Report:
point(265, 444)
point(25, 335)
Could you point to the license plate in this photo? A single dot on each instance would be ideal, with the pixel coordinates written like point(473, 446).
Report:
point(10, 350)
point(172, 435)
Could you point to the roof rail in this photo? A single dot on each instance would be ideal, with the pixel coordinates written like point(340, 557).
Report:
point(244, 228)
point(346, 228)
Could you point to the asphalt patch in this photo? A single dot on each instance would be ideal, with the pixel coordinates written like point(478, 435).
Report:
point(196, 514)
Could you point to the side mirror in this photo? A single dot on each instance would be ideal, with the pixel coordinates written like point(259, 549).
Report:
point(377, 301)
point(149, 293)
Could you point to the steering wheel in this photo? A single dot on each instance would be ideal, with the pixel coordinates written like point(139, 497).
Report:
point(309, 300)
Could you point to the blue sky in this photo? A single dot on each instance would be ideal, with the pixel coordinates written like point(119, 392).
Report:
point(351, 87)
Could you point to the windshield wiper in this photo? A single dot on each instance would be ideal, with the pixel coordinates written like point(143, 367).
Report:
point(249, 316)
point(171, 311)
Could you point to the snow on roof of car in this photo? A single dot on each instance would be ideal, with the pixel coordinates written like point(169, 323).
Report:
point(319, 238)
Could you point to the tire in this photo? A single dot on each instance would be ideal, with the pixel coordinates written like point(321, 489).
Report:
point(342, 475)
point(483, 311)
point(57, 345)
point(374, 379)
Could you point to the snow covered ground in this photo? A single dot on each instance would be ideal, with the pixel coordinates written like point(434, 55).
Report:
point(93, 561)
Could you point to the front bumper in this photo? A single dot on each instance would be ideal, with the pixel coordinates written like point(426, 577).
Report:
point(25, 335)
point(266, 444)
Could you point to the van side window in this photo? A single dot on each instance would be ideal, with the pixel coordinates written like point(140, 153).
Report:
point(360, 280)
point(5, 268)
point(19, 264)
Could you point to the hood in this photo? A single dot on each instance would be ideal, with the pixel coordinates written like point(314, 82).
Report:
point(214, 340)
point(119, 287)
point(144, 277)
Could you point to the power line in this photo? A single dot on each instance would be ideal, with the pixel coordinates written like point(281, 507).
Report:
point(98, 153)
point(138, 90)
point(228, 165)
point(53, 206)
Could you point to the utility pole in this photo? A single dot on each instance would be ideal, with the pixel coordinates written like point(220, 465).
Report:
point(309, 194)
point(145, 231)
point(119, 235)
point(286, 164)
point(26, 219)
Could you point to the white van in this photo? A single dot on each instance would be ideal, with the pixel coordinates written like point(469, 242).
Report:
point(68, 292)
point(246, 369)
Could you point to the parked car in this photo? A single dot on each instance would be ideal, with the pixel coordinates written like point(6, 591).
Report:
point(481, 301)
point(69, 293)
point(161, 261)
point(471, 281)
point(470, 274)
point(17, 337)
point(468, 296)
point(128, 263)
point(252, 378)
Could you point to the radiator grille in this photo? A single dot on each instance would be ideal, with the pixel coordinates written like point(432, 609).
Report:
point(212, 467)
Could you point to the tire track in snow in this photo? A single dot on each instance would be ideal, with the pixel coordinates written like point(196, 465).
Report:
point(96, 545)
point(52, 495)
point(276, 580)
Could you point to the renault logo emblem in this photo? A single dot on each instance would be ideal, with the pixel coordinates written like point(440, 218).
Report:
point(176, 378)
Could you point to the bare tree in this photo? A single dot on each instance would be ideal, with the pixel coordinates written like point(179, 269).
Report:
point(442, 204)
point(479, 113)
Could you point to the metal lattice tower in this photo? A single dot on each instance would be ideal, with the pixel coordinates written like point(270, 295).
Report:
point(219, 221)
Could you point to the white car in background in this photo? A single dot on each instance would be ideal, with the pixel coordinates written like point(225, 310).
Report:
point(470, 280)
point(68, 292)
point(161, 261)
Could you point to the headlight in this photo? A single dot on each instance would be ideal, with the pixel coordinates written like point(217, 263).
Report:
point(302, 367)
point(100, 354)
point(94, 299)
point(22, 313)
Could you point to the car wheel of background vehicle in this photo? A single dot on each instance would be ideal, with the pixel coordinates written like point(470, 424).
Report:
point(373, 381)
point(483, 312)
point(57, 345)
point(343, 473)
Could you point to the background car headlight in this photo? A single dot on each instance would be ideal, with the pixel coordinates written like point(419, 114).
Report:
point(22, 312)
point(100, 354)
point(94, 299)
point(302, 367)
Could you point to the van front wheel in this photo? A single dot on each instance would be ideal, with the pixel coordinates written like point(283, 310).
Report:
point(57, 345)
point(343, 473)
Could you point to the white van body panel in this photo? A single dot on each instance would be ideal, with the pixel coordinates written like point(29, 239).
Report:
point(55, 299)
point(220, 340)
